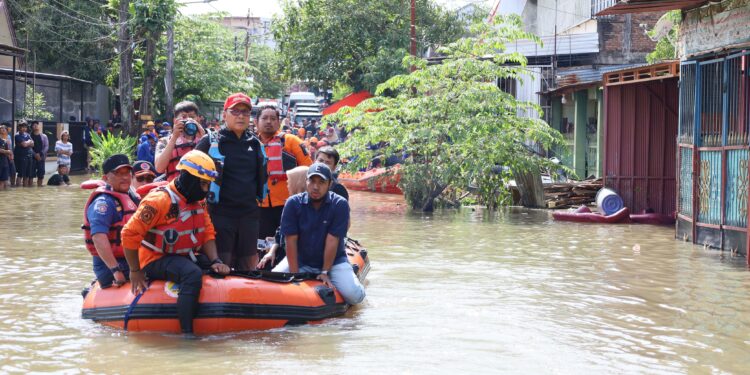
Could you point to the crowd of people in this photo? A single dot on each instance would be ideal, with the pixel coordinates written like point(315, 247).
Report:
point(23, 156)
point(226, 193)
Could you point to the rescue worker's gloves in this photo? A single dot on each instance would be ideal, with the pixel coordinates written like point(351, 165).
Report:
point(198, 164)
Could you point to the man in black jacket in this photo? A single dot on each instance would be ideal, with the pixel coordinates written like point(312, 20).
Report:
point(242, 183)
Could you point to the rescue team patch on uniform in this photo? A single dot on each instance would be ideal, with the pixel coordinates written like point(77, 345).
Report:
point(147, 214)
point(101, 207)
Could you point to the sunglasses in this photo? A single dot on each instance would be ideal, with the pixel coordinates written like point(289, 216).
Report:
point(148, 178)
point(237, 112)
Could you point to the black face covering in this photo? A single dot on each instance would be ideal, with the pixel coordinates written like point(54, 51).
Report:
point(190, 187)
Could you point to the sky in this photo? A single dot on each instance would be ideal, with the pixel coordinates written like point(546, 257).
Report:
point(267, 8)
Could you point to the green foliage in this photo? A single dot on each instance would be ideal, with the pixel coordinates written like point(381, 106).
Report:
point(108, 145)
point(360, 43)
point(71, 37)
point(268, 81)
point(456, 125)
point(33, 107)
point(208, 65)
point(665, 46)
point(341, 90)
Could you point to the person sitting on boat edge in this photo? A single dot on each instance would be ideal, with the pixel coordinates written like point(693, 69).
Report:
point(108, 208)
point(314, 225)
point(296, 181)
point(170, 226)
point(330, 157)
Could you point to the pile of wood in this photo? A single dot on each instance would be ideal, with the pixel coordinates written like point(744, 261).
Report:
point(562, 195)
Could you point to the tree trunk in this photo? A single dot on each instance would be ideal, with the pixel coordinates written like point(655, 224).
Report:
point(126, 70)
point(429, 203)
point(169, 75)
point(530, 186)
point(149, 75)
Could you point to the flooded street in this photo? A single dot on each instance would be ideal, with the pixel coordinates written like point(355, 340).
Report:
point(453, 292)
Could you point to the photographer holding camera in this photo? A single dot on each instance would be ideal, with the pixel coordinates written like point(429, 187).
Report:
point(185, 134)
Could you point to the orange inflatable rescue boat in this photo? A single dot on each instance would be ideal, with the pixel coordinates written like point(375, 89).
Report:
point(255, 300)
point(378, 180)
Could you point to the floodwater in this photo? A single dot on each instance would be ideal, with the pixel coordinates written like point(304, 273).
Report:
point(453, 292)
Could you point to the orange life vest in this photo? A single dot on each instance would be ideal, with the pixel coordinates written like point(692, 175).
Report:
point(177, 153)
point(128, 209)
point(279, 161)
point(182, 235)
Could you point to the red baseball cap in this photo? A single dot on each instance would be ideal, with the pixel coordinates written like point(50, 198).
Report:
point(237, 98)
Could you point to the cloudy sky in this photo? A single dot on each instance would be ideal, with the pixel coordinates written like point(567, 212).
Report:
point(267, 8)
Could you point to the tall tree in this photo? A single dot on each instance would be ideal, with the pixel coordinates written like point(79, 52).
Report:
point(150, 19)
point(207, 66)
point(125, 50)
point(358, 43)
point(453, 122)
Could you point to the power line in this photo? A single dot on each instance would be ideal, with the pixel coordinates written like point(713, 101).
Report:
point(113, 24)
point(51, 30)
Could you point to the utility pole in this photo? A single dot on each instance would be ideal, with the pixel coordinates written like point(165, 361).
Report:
point(413, 32)
point(554, 54)
point(247, 37)
point(169, 75)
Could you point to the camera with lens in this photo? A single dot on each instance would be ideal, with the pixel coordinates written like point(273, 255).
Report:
point(191, 128)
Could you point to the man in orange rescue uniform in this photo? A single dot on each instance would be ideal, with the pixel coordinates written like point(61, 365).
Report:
point(284, 152)
point(168, 230)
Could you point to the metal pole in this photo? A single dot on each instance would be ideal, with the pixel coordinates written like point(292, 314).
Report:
point(13, 98)
point(413, 32)
point(554, 54)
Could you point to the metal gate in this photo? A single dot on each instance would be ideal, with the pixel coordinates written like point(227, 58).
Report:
point(712, 158)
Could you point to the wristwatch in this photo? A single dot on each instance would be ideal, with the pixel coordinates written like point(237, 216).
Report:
point(217, 261)
point(115, 269)
point(324, 272)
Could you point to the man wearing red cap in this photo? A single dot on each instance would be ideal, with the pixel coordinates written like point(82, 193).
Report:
point(233, 197)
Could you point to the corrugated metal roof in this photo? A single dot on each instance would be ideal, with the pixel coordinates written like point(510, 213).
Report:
point(566, 45)
point(569, 78)
point(55, 77)
point(644, 6)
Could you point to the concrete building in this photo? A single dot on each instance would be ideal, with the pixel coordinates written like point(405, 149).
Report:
point(712, 143)
point(577, 49)
point(257, 30)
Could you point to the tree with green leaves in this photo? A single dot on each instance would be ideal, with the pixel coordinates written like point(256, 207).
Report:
point(70, 37)
point(455, 126)
point(358, 43)
point(33, 106)
point(666, 37)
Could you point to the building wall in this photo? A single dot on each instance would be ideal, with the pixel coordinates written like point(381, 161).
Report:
point(715, 27)
point(6, 34)
point(623, 39)
point(539, 15)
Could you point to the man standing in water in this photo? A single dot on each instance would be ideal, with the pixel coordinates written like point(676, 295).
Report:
point(233, 202)
point(314, 225)
point(41, 146)
point(108, 209)
point(169, 228)
point(285, 152)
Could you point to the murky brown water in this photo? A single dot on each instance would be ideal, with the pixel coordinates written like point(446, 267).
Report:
point(452, 292)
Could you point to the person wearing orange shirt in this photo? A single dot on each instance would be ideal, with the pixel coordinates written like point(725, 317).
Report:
point(284, 152)
point(171, 236)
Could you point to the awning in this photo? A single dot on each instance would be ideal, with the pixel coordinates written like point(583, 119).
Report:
point(644, 6)
point(349, 101)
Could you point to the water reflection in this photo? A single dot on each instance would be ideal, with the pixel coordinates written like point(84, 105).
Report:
point(509, 291)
